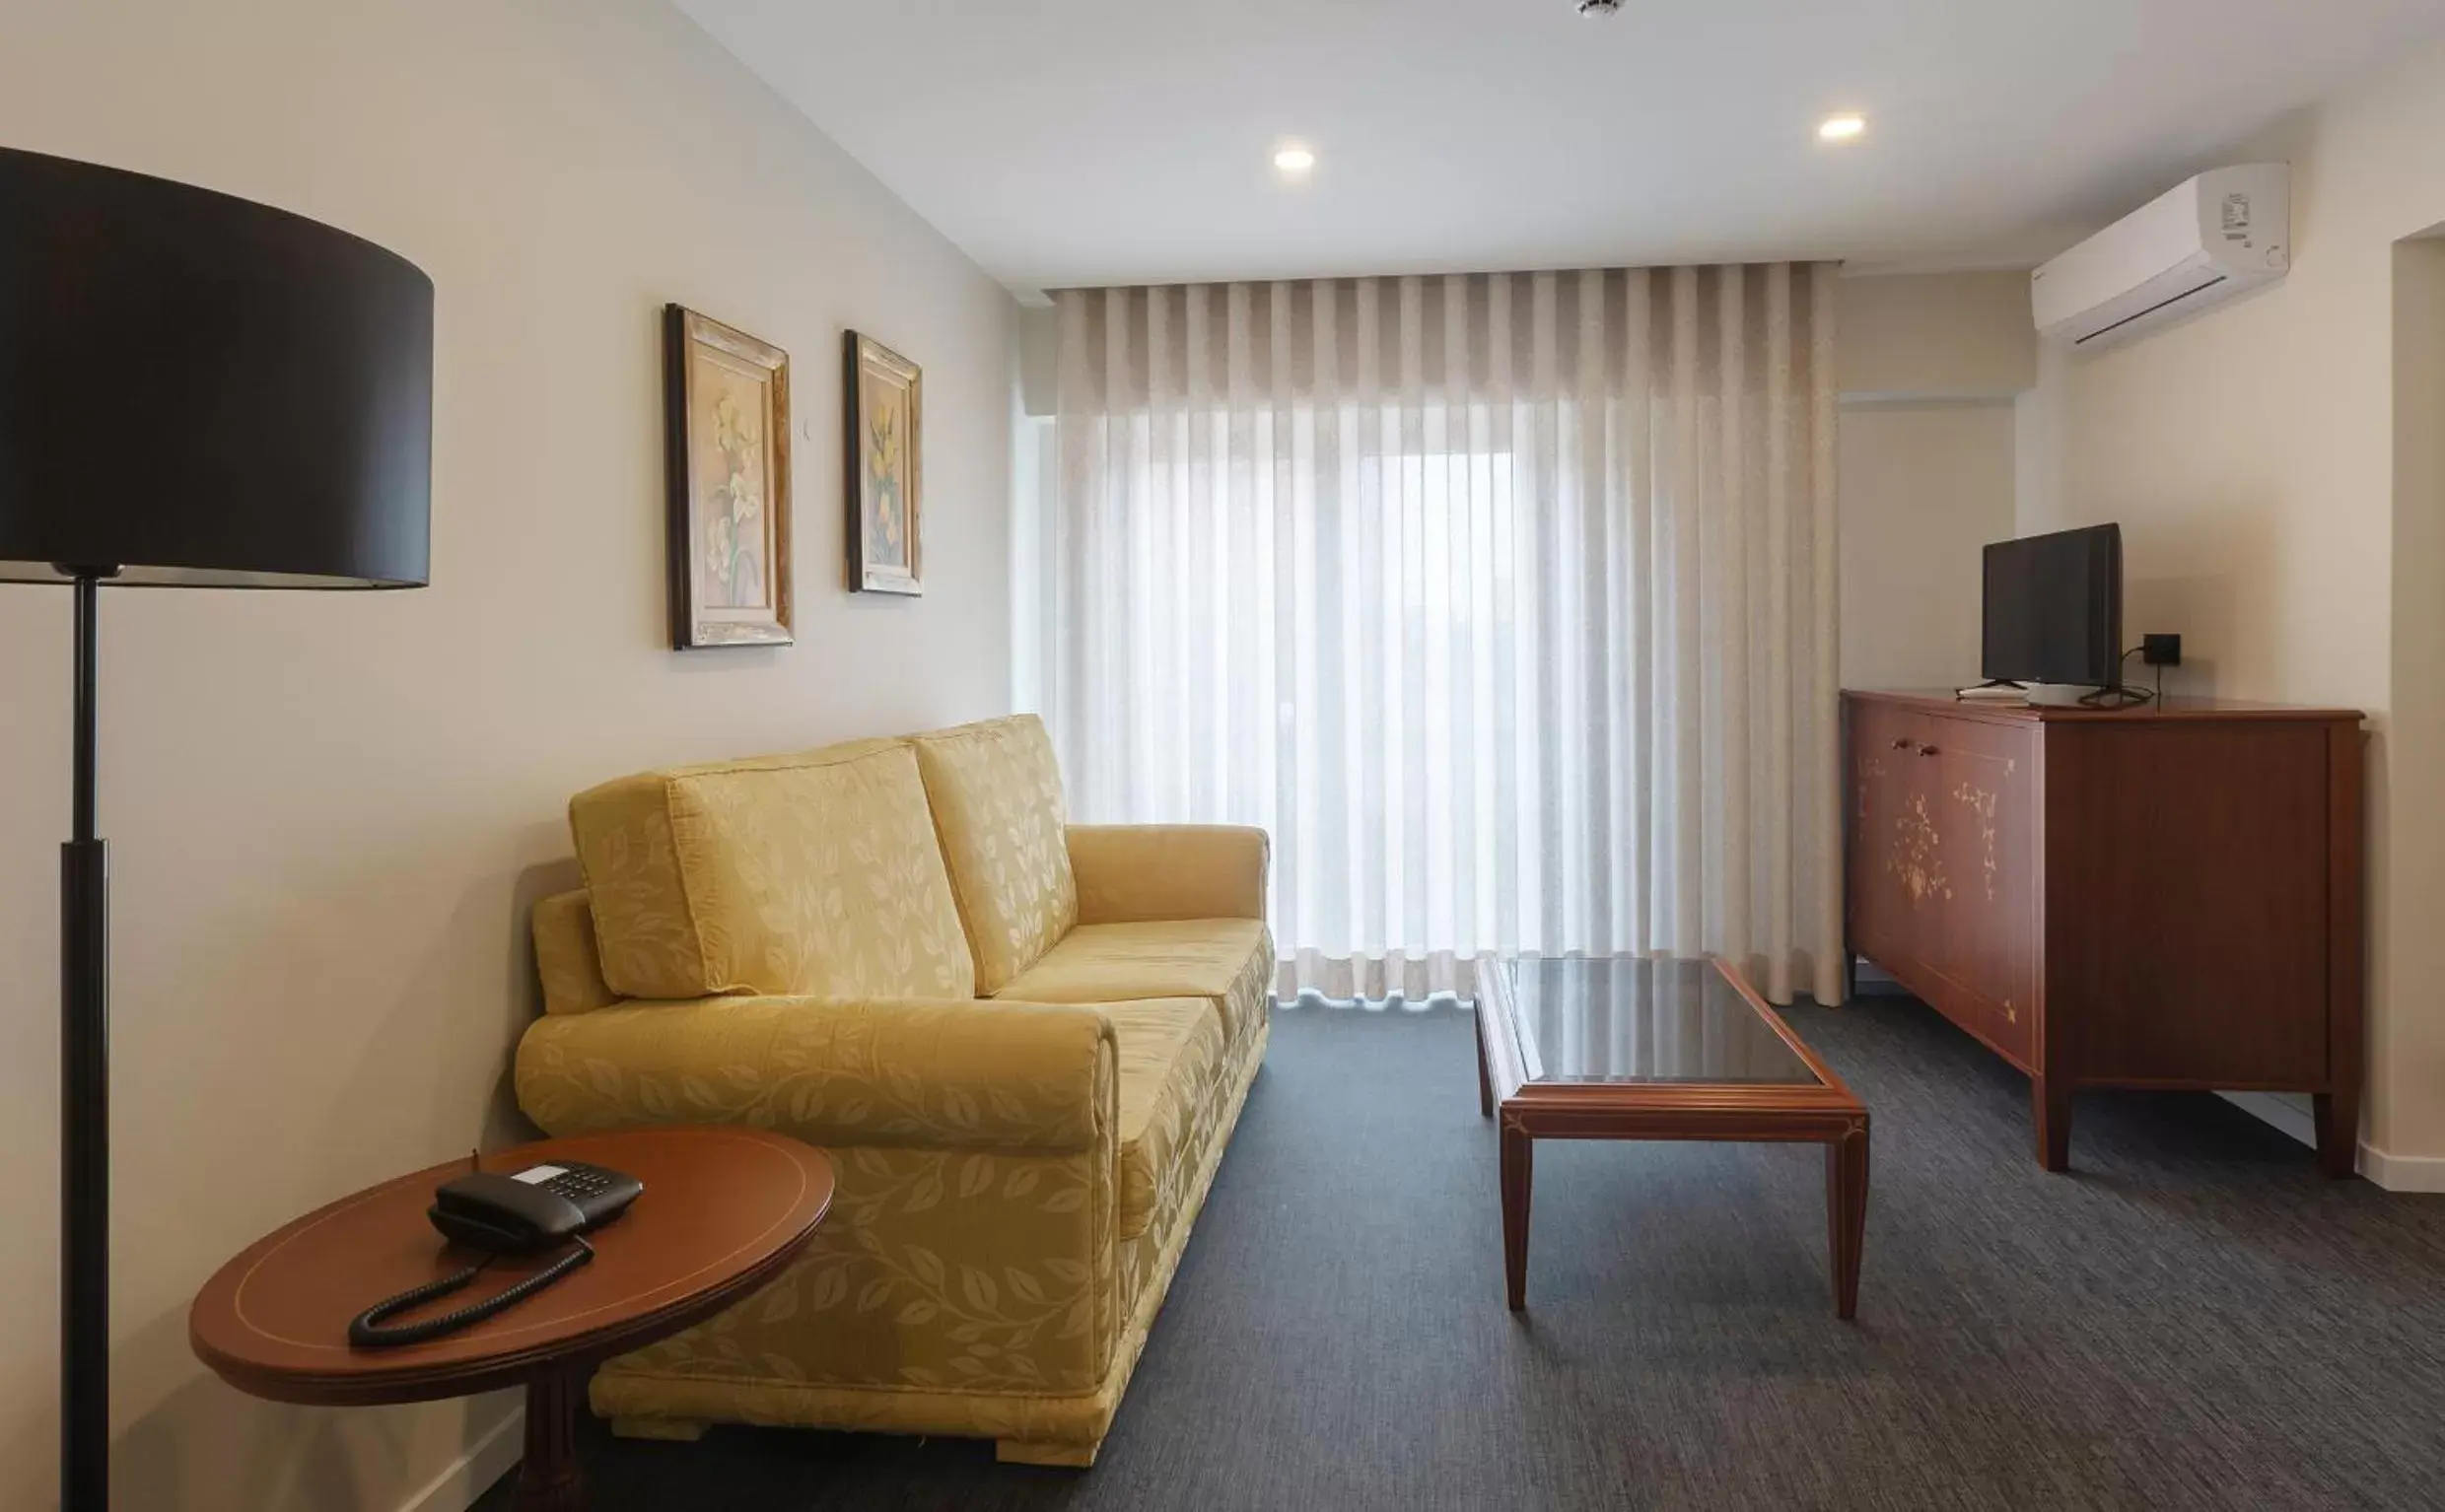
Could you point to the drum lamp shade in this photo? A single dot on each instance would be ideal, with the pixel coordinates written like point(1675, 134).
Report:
point(197, 391)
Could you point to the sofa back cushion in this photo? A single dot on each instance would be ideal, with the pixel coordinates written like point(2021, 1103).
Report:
point(815, 874)
point(996, 792)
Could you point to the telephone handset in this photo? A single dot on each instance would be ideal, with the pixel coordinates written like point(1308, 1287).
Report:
point(537, 1208)
point(500, 1214)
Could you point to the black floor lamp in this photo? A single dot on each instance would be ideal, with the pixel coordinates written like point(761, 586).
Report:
point(196, 391)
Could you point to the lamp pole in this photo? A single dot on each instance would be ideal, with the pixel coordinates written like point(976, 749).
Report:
point(285, 373)
point(85, 1103)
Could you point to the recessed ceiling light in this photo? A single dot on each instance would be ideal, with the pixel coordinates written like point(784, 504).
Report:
point(1841, 129)
point(1294, 159)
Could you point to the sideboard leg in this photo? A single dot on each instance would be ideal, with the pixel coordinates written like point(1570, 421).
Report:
point(549, 1480)
point(2049, 1109)
point(2338, 1117)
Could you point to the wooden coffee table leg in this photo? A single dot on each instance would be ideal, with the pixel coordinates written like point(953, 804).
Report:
point(548, 1480)
point(1845, 1214)
point(1518, 1164)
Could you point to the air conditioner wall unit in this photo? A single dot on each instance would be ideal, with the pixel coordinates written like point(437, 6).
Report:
point(2211, 240)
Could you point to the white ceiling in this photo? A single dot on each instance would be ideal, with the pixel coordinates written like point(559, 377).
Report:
point(1066, 142)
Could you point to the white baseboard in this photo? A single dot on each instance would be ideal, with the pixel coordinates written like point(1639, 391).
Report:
point(2395, 1173)
point(2403, 1173)
point(472, 1474)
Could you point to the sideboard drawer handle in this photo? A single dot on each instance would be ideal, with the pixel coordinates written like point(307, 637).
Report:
point(1901, 744)
point(1926, 750)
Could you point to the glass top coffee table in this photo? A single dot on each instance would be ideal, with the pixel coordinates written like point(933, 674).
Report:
point(1641, 1049)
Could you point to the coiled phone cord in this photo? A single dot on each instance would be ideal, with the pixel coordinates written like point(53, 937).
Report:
point(366, 1331)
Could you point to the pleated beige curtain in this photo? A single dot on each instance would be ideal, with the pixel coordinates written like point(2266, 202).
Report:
point(1507, 602)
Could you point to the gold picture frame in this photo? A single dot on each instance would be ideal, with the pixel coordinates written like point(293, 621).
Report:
point(726, 400)
point(885, 455)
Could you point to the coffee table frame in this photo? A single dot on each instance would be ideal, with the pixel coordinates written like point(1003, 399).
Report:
point(1770, 1113)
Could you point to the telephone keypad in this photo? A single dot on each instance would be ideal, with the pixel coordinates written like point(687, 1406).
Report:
point(579, 1183)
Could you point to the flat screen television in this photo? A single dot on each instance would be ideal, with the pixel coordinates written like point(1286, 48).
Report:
point(2054, 608)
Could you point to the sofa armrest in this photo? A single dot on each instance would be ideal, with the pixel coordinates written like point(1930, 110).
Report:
point(932, 1073)
point(1133, 872)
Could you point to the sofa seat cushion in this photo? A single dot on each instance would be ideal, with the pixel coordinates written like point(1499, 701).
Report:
point(1170, 1072)
point(996, 792)
point(1228, 962)
point(808, 875)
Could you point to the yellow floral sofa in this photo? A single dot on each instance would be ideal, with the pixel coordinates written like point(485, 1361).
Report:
point(1025, 1043)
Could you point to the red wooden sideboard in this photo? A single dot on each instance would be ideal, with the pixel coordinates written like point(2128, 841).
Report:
point(2167, 896)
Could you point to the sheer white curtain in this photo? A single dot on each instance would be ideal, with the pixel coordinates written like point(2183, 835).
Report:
point(1507, 602)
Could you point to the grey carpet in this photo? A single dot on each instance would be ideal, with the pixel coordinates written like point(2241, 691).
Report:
point(2192, 1319)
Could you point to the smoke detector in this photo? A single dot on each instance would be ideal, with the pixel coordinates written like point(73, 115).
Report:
point(1599, 7)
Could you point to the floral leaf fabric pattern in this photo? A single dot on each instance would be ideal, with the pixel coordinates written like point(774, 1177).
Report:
point(842, 946)
point(1172, 1064)
point(641, 927)
point(940, 1073)
point(1228, 962)
point(816, 875)
point(567, 958)
point(996, 792)
point(1015, 1313)
point(895, 1090)
point(1131, 873)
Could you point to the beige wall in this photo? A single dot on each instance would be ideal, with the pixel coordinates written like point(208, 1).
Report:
point(1929, 364)
point(328, 812)
point(2412, 1029)
point(1924, 487)
point(1925, 335)
point(2250, 455)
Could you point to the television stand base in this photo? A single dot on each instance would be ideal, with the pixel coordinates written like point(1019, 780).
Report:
point(2120, 696)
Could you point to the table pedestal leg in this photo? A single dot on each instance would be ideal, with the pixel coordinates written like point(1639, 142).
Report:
point(548, 1481)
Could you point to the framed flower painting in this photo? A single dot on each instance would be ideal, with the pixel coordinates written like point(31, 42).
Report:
point(727, 453)
point(885, 455)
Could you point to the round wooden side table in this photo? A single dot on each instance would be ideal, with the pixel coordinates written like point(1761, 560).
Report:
point(724, 1212)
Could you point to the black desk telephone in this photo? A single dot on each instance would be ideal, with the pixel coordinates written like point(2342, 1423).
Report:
point(500, 1214)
